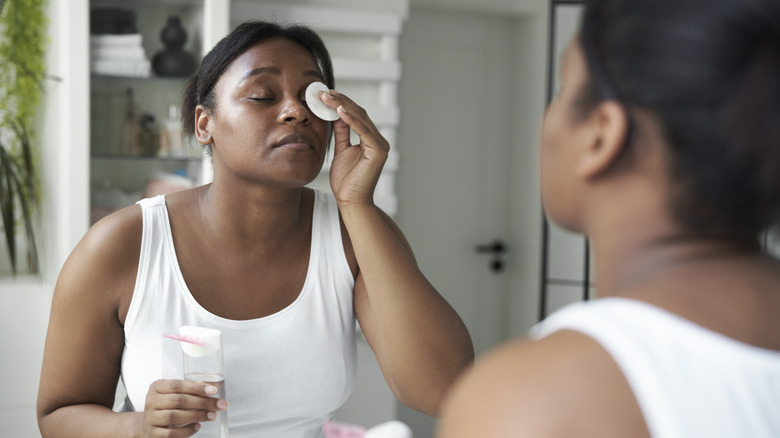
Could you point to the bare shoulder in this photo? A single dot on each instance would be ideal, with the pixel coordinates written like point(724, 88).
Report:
point(563, 385)
point(122, 227)
point(105, 262)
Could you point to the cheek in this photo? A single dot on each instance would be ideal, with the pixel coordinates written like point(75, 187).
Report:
point(555, 168)
point(548, 146)
point(324, 132)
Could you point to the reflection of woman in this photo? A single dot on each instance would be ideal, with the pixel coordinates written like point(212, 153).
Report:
point(281, 269)
point(663, 147)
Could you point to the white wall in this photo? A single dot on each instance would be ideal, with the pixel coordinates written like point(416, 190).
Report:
point(526, 210)
point(24, 313)
point(499, 7)
point(25, 302)
point(65, 143)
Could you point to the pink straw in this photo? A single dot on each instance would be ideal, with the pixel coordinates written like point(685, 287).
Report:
point(185, 338)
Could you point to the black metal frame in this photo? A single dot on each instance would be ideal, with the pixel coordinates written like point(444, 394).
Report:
point(545, 224)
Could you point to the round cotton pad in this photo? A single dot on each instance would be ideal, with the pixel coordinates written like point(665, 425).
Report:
point(317, 106)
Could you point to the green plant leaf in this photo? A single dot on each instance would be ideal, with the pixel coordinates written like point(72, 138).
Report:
point(22, 70)
point(7, 196)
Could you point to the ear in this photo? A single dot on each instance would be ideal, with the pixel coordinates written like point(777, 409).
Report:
point(202, 118)
point(611, 128)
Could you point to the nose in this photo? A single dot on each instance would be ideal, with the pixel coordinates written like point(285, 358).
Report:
point(293, 110)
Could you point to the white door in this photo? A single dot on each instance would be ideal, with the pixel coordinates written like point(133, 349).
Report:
point(458, 145)
point(453, 143)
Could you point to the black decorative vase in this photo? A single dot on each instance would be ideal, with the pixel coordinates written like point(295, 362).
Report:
point(173, 60)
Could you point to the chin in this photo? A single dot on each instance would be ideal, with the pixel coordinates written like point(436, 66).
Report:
point(562, 220)
point(296, 181)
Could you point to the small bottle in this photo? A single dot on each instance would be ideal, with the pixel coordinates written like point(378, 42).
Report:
point(148, 136)
point(171, 141)
point(132, 126)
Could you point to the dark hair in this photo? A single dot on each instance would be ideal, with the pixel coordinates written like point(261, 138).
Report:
point(199, 89)
point(709, 71)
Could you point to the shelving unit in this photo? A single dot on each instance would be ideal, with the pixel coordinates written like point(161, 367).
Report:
point(118, 173)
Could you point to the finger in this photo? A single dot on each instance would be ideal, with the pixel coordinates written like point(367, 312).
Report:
point(341, 131)
point(370, 137)
point(341, 137)
point(189, 402)
point(185, 430)
point(177, 419)
point(175, 386)
point(357, 118)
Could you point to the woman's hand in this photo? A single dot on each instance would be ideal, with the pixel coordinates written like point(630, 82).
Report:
point(356, 168)
point(174, 408)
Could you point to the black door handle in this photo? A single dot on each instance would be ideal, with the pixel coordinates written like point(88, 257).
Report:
point(497, 247)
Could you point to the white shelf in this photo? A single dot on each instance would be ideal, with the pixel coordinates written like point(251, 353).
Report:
point(361, 70)
point(322, 19)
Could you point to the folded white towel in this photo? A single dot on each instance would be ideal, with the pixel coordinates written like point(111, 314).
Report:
point(130, 53)
point(115, 40)
point(121, 67)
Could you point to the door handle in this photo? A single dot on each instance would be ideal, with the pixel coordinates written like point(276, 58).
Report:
point(497, 247)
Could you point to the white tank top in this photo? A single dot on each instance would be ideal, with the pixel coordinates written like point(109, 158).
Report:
point(285, 373)
point(687, 380)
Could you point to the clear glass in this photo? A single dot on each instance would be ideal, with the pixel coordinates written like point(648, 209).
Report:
point(208, 368)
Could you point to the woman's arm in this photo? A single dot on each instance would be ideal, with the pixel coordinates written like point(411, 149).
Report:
point(85, 339)
point(419, 340)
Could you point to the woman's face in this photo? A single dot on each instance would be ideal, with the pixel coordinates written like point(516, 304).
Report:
point(261, 129)
point(563, 131)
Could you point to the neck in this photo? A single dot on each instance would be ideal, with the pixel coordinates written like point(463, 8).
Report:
point(624, 264)
point(251, 217)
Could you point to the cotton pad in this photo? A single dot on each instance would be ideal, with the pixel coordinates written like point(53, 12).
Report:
point(391, 429)
point(211, 337)
point(317, 106)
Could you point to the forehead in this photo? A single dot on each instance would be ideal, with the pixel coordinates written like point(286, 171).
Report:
point(274, 56)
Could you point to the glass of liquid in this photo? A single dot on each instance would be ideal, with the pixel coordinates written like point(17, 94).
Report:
point(204, 363)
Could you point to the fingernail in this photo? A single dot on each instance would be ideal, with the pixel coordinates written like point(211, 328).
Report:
point(210, 390)
point(222, 404)
point(211, 415)
point(197, 427)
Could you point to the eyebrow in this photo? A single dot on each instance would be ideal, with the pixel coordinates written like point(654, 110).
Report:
point(275, 71)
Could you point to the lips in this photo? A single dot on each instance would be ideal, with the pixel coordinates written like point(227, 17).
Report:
point(295, 141)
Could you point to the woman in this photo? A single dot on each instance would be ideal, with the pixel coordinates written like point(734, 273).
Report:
point(663, 147)
point(280, 269)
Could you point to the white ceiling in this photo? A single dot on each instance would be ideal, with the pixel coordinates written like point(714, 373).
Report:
point(515, 7)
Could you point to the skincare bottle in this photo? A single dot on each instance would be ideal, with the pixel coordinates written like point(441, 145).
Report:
point(171, 133)
point(132, 126)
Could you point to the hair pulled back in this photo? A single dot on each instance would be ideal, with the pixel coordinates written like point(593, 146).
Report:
point(199, 89)
point(709, 71)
